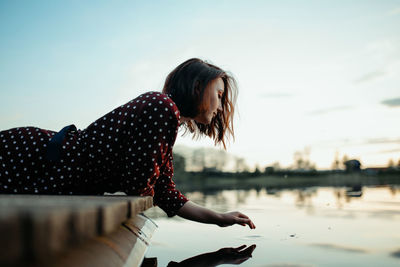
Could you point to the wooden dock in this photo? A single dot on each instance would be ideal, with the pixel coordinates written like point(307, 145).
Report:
point(43, 230)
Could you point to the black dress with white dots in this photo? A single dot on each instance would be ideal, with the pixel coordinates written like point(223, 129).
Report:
point(127, 150)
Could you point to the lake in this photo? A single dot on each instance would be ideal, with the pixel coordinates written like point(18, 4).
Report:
point(315, 226)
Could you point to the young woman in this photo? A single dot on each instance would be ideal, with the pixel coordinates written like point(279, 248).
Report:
point(129, 149)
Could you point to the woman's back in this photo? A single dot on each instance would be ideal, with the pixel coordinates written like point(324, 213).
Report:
point(126, 150)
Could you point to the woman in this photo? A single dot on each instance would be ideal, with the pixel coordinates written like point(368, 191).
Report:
point(130, 148)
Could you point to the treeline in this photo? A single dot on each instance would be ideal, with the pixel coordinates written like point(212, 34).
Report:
point(216, 169)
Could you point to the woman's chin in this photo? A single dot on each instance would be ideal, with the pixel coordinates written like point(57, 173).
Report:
point(207, 122)
point(204, 119)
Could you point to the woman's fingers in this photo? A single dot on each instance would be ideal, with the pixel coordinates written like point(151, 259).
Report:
point(245, 222)
point(250, 249)
point(241, 215)
point(240, 248)
point(237, 218)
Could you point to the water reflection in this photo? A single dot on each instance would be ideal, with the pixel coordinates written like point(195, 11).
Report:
point(354, 191)
point(228, 255)
point(340, 248)
point(303, 198)
point(396, 253)
point(394, 189)
point(314, 226)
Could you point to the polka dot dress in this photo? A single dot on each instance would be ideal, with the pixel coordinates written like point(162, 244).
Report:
point(127, 150)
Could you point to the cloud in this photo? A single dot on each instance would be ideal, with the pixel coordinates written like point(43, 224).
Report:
point(371, 76)
point(329, 110)
point(275, 95)
point(339, 247)
point(393, 102)
point(356, 142)
point(382, 140)
point(394, 11)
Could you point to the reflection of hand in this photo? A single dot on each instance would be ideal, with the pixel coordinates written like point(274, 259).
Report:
point(222, 256)
point(235, 217)
point(235, 255)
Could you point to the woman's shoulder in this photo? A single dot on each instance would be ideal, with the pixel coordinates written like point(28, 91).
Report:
point(153, 96)
point(156, 102)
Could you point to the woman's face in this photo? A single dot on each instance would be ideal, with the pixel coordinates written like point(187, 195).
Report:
point(211, 101)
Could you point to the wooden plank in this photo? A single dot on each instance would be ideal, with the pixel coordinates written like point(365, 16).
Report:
point(11, 237)
point(112, 216)
point(91, 253)
point(137, 204)
point(137, 207)
point(83, 224)
point(41, 227)
point(51, 232)
point(121, 248)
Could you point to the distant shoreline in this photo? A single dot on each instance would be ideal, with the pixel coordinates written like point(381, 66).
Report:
point(201, 181)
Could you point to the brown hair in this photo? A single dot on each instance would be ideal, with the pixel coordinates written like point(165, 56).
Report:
point(186, 85)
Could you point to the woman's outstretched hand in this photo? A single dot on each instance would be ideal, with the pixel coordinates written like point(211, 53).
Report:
point(194, 212)
point(235, 217)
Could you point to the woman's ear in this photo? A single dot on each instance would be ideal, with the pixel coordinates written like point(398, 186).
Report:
point(197, 89)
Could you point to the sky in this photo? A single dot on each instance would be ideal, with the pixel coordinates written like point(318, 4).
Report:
point(318, 77)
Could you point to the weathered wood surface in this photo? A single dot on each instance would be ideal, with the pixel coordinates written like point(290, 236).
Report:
point(124, 247)
point(35, 228)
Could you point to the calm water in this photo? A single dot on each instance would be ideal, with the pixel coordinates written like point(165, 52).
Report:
point(319, 226)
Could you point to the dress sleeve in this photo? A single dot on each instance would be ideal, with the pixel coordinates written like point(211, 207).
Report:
point(166, 196)
point(147, 168)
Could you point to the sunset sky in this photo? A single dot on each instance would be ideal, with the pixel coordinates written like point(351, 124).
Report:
point(322, 76)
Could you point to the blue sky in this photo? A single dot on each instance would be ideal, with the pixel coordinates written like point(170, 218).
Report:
point(321, 76)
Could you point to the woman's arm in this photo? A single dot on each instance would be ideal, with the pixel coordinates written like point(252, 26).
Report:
point(194, 212)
